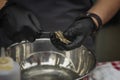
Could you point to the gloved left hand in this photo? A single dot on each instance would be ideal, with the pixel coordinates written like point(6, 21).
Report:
point(76, 33)
point(19, 23)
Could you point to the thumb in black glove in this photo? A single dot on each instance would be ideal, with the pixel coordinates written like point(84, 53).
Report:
point(82, 27)
point(19, 24)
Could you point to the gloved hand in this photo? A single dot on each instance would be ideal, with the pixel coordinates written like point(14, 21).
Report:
point(82, 27)
point(19, 24)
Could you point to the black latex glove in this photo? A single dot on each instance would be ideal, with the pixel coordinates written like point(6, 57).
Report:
point(81, 28)
point(4, 40)
point(19, 24)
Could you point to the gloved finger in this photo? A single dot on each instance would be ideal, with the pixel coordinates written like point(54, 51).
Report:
point(20, 38)
point(56, 42)
point(70, 34)
point(24, 34)
point(76, 43)
point(31, 39)
point(58, 45)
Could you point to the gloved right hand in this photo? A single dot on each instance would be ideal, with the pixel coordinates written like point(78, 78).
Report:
point(19, 24)
point(75, 35)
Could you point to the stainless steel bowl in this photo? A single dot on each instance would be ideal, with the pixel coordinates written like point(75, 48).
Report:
point(40, 60)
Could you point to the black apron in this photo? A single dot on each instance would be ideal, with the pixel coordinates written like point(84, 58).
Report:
point(55, 14)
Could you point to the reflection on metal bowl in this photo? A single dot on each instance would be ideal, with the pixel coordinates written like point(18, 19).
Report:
point(40, 60)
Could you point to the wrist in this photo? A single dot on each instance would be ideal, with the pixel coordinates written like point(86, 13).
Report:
point(96, 19)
